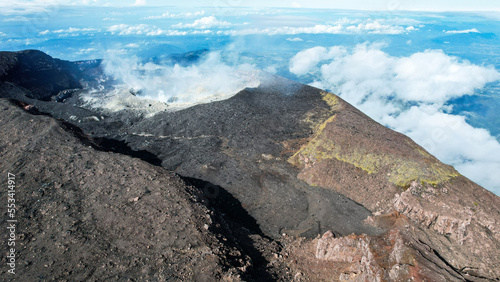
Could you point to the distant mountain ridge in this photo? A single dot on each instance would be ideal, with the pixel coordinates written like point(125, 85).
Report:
point(301, 162)
point(42, 75)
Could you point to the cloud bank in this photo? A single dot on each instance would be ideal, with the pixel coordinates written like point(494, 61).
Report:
point(143, 29)
point(169, 15)
point(140, 3)
point(214, 25)
point(27, 7)
point(410, 95)
point(203, 23)
point(342, 26)
point(472, 30)
point(70, 30)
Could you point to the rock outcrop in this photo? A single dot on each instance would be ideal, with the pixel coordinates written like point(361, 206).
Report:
point(395, 255)
point(458, 218)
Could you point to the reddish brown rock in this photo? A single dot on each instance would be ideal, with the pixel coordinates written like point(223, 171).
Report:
point(396, 255)
point(385, 171)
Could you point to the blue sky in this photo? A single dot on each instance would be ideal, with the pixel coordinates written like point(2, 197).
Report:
point(422, 5)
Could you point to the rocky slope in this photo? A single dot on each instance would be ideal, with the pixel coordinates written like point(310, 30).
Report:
point(43, 76)
point(86, 214)
point(298, 161)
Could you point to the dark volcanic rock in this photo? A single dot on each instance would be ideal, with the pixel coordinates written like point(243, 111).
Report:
point(239, 144)
point(41, 74)
point(252, 144)
point(285, 158)
point(90, 215)
point(79, 221)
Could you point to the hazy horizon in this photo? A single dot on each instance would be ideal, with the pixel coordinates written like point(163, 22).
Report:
point(363, 5)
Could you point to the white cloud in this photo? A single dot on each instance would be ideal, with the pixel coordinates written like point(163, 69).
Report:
point(133, 45)
point(169, 15)
point(317, 29)
point(124, 29)
point(445, 77)
point(472, 30)
point(86, 50)
point(341, 26)
point(25, 41)
point(204, 23)
point(295, 39)
point(296, 5)
point(84, 2)
point(142, 29)
point(306, 60)
point(74, 30)
point(379, 27)
point(205, 31)
point(271, 69)
point(16, 19)
point(2, 34)
point(68, 31)
point(27, 7)
point(140, 3)
point(239, 13)
point(71, 31)
point(402, 21)
point(409, 94)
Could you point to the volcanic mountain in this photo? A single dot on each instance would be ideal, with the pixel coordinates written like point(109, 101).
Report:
point(279, 182)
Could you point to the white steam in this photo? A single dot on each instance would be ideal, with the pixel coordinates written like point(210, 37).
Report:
point(182, 86)
point(409, 94)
